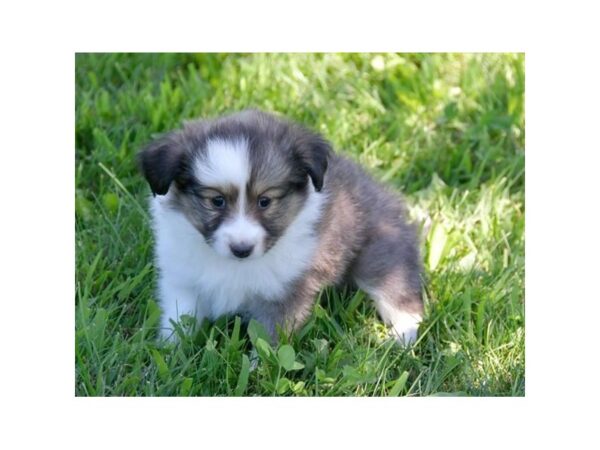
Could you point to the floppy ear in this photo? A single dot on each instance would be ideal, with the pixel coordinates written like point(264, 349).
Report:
point(161, 161)
point(314, 152)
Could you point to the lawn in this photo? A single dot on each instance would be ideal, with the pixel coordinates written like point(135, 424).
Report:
point(447, 130)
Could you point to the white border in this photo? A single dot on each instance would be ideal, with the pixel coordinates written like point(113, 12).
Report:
point(37, 78)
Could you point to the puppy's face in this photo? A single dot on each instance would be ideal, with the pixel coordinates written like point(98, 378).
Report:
point(240, 180)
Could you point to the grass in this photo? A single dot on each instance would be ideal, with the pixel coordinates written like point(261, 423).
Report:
point(445, 129)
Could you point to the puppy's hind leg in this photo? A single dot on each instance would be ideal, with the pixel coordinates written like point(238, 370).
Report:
point(389, 270)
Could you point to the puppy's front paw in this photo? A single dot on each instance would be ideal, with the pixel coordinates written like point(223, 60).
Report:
point(405, 327)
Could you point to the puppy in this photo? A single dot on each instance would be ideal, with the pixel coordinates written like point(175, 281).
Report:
point(254, 215)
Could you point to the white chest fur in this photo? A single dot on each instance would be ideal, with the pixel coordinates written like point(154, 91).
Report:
point(219, 284)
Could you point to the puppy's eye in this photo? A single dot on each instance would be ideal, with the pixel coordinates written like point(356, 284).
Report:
point(218, 202)
point(264, 202)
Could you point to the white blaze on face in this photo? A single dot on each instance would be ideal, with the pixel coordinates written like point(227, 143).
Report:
point(227, 163)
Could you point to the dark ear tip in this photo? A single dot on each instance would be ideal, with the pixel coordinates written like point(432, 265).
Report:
point(318, 184)
point(160, 162)
point(159, 191)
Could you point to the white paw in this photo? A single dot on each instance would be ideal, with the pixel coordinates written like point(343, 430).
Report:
point(405, 327)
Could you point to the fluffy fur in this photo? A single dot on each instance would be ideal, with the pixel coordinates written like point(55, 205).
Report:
point(253, 215)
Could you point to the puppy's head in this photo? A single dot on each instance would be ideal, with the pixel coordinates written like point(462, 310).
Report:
point(240, 180)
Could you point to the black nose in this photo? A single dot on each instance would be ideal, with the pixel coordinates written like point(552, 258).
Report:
point(241, 250)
